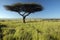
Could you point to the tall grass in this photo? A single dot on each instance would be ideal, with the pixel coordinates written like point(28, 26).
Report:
point(31, 30)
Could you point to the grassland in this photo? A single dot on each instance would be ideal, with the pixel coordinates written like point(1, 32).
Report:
point(31, 30)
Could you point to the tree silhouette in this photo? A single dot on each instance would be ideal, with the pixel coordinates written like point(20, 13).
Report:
point(26, 8)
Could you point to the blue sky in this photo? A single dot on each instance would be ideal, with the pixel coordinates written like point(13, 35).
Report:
point(51, 9)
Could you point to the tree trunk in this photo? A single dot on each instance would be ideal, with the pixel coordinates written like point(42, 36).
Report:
point(24, 19)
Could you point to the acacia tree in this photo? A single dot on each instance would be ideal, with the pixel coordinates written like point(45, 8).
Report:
point(27, 8)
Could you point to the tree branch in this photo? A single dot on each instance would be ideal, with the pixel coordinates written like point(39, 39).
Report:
point(20, 14)
point(26, 14)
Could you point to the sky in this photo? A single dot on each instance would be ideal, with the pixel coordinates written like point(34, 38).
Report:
point(51, 9)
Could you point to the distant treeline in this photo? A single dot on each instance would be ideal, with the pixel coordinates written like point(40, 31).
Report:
point(31, 20)
point(50, 20)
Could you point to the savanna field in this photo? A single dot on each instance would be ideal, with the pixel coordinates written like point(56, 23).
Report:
point(31, 30)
